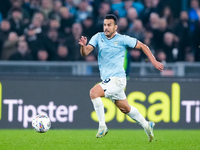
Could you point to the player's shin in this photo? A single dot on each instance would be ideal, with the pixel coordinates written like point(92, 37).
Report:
point(99, 108)
point(136, 116)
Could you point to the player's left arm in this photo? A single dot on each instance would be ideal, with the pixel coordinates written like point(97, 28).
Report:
point(151, 57)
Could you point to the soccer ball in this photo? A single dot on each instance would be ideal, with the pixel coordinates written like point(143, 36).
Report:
point(41, 123)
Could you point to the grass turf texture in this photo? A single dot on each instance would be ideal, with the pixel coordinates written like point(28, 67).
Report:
point(86, 140)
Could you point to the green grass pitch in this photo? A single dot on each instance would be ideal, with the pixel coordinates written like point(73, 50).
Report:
point(86, 140)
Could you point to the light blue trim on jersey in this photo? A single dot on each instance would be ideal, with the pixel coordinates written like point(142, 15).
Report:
point(111, 53)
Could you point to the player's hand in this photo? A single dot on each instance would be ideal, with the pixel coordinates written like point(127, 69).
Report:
point(158, 65)
point(82, 41)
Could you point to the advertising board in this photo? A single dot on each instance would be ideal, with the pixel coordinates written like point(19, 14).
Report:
point(170, 104)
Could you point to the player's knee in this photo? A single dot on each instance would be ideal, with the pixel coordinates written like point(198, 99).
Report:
point(93, 94)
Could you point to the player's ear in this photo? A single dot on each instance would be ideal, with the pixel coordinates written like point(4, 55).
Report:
point(116, 27)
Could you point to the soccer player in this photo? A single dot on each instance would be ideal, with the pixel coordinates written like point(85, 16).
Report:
point(111, 53)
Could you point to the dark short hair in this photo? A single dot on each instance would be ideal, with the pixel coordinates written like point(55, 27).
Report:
point(111, 16)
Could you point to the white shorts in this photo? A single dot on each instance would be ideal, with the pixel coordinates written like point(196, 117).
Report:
point(114, 88)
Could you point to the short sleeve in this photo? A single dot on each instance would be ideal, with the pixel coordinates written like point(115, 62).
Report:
point(130, 41)
point(94, 40)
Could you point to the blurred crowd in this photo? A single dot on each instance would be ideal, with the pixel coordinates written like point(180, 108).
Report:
point(49, 30)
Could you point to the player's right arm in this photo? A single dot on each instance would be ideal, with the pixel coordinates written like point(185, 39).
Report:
point(85, 49)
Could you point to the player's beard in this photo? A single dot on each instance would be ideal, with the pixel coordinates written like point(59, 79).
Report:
point(109, 34)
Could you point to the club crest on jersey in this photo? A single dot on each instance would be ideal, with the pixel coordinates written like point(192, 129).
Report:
point(115, 43)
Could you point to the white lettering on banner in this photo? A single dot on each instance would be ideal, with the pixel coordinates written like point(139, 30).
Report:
point(62, 110)
point(71, 112)
point(51, 107)
point(42, 109)
point(10, 103)
point(197, 111)
point(20, 110)
point(27, 112)
point(27, 118)
point(188, 105)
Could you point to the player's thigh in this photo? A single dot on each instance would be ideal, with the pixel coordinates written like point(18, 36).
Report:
point(96, 91)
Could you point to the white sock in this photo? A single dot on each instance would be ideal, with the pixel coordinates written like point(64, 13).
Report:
point(99, 108)
point(135, 115)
